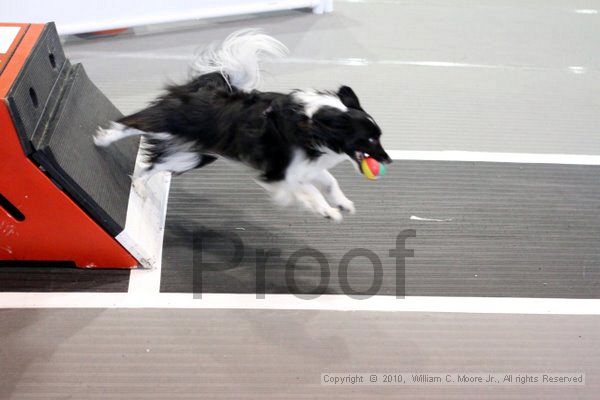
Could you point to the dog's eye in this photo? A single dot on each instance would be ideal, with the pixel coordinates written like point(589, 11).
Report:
point(372, 140)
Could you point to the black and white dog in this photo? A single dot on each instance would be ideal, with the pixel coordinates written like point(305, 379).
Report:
point(291, 139)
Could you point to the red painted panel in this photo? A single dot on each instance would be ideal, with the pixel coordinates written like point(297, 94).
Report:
point(54, 228)
point(4, 57)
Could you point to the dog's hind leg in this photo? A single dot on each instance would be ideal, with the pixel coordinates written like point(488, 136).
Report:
point(140, 179)
point(116, 131)
point(167, 153)
point(176, 163)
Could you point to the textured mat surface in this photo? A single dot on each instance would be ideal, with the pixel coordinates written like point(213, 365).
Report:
point(254, 354)
point(504, 230)
point(60, 277)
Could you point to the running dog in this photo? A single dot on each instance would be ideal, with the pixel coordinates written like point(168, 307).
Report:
point(291, 140)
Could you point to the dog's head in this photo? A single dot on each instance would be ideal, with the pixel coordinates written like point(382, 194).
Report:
point(350, 129)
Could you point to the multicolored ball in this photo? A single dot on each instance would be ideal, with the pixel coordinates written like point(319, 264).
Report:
point(371, 168)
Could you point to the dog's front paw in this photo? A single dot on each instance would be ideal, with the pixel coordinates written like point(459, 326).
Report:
point(346, 206)
point(333, 214)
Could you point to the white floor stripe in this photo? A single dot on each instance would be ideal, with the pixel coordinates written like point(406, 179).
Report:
point(291, 302)
point(144, 231)
point(481, 156)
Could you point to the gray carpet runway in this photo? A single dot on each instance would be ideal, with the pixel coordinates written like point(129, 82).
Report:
point(480, 229)
point(507, 230)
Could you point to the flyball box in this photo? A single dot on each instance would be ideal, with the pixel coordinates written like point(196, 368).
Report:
point(61, 198)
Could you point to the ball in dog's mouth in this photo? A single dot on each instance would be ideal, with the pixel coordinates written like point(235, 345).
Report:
point(358, 157)
point(369, 167)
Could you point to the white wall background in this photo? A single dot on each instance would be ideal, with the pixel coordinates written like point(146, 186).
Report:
point(77, 16)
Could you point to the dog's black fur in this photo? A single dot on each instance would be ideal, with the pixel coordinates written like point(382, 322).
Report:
point(260, 129)
point(291, 139)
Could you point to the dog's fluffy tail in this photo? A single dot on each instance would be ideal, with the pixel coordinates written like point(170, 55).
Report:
point(237, 58)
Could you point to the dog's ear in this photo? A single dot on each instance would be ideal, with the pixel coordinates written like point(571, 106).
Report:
point(330, 118)
point(348, 97)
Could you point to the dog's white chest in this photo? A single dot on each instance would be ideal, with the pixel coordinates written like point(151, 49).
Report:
point(303, 169)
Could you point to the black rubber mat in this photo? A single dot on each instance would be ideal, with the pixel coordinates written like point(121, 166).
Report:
point(60, 277)
point(518, 230)
point(35, 92)
point(97, 178)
